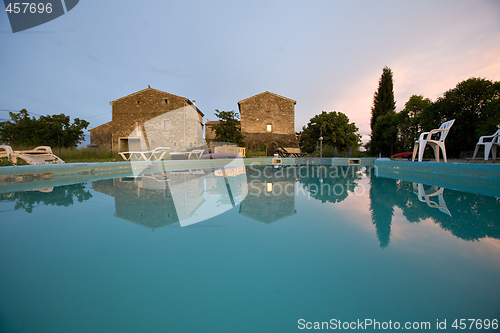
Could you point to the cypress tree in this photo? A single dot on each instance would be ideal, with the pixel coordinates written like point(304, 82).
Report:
point(384, 107)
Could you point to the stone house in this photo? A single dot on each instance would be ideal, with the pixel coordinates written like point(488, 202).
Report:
point(151, 118)
point(209, 131)
point(268, 119)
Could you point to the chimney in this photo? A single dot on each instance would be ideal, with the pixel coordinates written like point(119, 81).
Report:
point(194, 102)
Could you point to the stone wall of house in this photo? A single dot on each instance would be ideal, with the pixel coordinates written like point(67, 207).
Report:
point(179, 130)
point(132, 112)
point(209, 131)
point(270, 140)
point(268, 119)
point(101, 135)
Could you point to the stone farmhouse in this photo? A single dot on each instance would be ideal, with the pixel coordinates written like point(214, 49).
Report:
point(268, 119)
point(209, 131)
point(151, 118)
point(148, 119)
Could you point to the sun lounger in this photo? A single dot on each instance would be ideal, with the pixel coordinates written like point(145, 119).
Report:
point(36, 156)
point(282, 152)
point(39, 155)
point(5, 152)
point(156, 154)
point(407, 155)
point(186, 155)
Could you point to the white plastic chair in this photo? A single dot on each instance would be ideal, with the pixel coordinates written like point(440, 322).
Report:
point(426, 138)
point(488, 145)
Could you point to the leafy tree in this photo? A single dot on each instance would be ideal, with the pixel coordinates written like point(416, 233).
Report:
point(383, 140)
point(229, 128)
point(474, 104)
point(335, 129)
point(408, 121)
point(54, 131)
point(490, 118)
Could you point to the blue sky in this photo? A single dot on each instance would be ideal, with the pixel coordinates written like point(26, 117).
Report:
point(327, 55)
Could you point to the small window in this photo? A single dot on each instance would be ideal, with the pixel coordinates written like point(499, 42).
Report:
point(138, 102)
point(269, 128)
point(269, 187)
point(166, 125)
point(138, 126)
point(166, 101)
point(268, 107)
point(175, 143)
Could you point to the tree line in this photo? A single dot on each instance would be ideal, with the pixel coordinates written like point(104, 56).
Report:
point(474, 104)
point(54, 131)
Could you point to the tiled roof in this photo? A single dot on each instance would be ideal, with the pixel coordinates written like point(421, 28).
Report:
point(267, 92)
point(148, 88)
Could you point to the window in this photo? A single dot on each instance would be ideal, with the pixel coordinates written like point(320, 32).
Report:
point(166, 125)
point(269, 128)
point(269, 187)
point(268, 107)
point(138, 102)
point(166, 101)
point(138, 127)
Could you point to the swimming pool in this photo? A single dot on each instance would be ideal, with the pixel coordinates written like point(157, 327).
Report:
point(274, 248)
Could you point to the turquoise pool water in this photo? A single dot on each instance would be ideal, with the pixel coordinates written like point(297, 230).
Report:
point(255, 249)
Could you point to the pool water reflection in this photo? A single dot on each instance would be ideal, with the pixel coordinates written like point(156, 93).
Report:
point(259, 249)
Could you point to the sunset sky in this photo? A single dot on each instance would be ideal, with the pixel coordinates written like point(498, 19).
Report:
point(326, 55)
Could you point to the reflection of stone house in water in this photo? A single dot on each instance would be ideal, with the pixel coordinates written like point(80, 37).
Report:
point(187, 191)
point(151, 118)
point(271, 195)
point(148, 201)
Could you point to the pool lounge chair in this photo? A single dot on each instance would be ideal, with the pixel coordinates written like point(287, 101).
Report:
point(426, 138)
point(36, 156)
point(407, 155)
point(156, 154)
point(186, 155)
point(491, 143)
point(5, 152)
point(282, 152)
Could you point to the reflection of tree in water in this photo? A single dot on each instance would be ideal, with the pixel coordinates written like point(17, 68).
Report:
point(478, 219)
point(474, 216)
point(59, 196)
point(382, 200)
point(329, 183)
